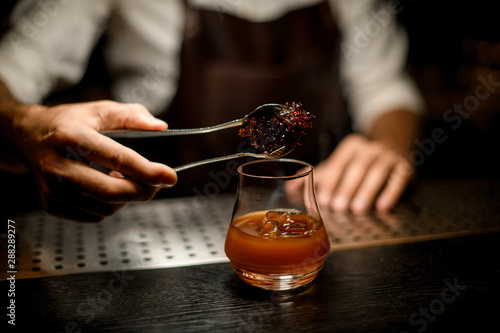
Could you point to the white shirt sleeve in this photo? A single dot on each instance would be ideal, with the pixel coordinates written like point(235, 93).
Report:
point(143, 51)
point(372, 60)
point(49, 45)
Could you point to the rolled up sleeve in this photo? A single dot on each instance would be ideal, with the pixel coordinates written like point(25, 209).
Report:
point(373, 58)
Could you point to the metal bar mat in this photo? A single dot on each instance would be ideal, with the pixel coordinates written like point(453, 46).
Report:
point(160, 233)
point(191, 231)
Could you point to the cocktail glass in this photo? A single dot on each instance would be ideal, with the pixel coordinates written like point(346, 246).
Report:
point(276, 239)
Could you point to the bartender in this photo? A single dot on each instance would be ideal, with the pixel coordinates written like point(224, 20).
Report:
point(199, 63)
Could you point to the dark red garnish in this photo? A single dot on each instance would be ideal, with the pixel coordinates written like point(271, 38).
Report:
point(284, 127)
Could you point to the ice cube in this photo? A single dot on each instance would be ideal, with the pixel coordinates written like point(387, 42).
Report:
point(293, 229)
point(294, 224)
point(270, 229)
point(286, 223)
point(273, 215)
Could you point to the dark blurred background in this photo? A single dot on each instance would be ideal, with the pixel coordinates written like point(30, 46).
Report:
point(453, 46)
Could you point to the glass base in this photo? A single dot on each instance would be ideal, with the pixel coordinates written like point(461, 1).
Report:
point(276, 281)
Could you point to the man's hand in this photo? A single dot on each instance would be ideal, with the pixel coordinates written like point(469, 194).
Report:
point(368, 173)
point(360, 175)
point(59, 144)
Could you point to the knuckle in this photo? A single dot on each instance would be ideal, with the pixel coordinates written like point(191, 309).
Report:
point(387, 161)
point(52, 170)
point(393, 156)
point(105, 104)
point(405, 168)
point(375, 149)
point(397, 180)
point(353, 140)
point(101, 108)
point(137, 108)
point(63, 134)
point(120, 196)
point(108, 193)
point(116, 159)
point(378, 147)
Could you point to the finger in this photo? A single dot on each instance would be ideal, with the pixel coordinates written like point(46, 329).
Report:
point(67, 206)
point(114, 115)
point(100, 186)
point(87, 210)
point(396, 184)
point(372, 184)
point(328, 173)
point(69, 194)
point(351, 180)
point(354, 174)
point(108, 153)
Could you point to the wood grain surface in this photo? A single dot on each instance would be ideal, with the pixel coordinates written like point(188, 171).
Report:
point(435, 286)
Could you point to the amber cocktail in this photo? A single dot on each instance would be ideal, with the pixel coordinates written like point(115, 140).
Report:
point(276, 239)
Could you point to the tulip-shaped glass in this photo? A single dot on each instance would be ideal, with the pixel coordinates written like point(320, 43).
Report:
point(276, 239)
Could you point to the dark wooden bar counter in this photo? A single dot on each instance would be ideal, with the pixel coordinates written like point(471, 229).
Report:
point(429, 283)
point(378, 289)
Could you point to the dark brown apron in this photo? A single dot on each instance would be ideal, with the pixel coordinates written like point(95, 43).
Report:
point(230, 66)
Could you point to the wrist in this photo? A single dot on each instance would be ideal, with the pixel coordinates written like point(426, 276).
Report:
point(12, 116)
point(397, 130)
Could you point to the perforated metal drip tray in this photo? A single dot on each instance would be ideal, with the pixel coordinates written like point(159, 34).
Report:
point(156, 234)
point(191, 231)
